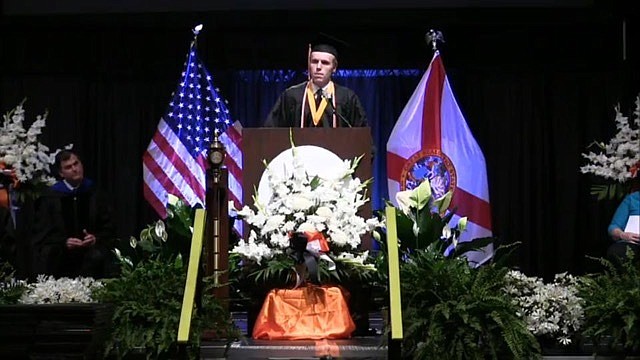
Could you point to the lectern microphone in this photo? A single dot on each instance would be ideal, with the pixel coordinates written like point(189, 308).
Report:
point(329, 99)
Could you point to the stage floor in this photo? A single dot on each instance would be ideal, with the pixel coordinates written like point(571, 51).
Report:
point(359, 347)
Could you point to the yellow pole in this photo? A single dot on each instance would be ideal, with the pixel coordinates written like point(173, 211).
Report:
point(395, 303)
point(192, 276)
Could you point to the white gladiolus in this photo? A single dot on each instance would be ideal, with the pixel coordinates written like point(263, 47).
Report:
point(20, 150)
point(616, 158)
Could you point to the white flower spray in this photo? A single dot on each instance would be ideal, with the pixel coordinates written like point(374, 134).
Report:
point(20, 150)
point(616, 159)
point(48, 290)
point(553, 309)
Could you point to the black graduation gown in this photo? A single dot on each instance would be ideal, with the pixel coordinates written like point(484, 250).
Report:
point(287, 109)
point(65, 214)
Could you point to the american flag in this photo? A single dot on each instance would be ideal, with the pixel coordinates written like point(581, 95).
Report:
point(175, 161)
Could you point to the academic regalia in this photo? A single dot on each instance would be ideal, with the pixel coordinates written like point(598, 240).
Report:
point(287, 111)
point(65, 213)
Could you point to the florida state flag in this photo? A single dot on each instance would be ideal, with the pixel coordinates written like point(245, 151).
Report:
point(431, 140)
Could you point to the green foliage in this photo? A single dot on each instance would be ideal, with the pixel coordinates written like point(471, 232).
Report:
point(423, 223)
point(452, 311)
point(10, 289)
point(149, 292)
point(352, 272)
point(277, 270)
point(251, 281)
point(610, 191)
point(179, 221)
point(420, 226)
point(164, 239)
point(148, 302)
point(612, 309)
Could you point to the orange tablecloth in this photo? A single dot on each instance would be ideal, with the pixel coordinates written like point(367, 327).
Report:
point(309, 312)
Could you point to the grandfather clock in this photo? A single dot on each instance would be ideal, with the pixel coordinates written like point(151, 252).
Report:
point(216, 241)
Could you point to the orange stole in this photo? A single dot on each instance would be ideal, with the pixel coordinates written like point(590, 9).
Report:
point(4, 198)
point(309, 312)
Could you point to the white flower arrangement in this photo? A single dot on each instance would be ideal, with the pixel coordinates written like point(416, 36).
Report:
point(48, 290)
point(620, 158)
point(552, 309)
point(21, 153)
point(303, 203)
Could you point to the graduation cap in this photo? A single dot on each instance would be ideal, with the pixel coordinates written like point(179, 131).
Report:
point(327, 43)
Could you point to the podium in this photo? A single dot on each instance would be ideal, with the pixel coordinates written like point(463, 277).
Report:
point(264, 144)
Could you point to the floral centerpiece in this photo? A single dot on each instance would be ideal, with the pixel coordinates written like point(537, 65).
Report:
point(24, 161)
point(306, 230)
point(619, 160)
point(307, 215)
point(550, 310)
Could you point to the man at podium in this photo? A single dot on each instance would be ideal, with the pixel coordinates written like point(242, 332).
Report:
point(318, 102)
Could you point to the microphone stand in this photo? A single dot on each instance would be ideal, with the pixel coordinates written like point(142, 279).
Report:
point(335, 112)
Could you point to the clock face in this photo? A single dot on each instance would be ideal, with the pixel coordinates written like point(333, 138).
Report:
point(216, 157)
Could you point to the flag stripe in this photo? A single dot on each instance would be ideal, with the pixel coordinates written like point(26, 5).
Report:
point(474, 208)
point(232, 147)
point(431, 115)
point(395, 163)
point(232, 139)
point(233, 166)
point(235, 135)
point(169, 176)
point(154, 194)
point(171, 181)
point(192, 170)
point(233, 187)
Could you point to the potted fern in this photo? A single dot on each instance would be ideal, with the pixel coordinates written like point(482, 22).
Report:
point(612, 308)
point(451, 310)
point(148, 294)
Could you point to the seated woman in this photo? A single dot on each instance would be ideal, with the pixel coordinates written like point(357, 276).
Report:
point(625, 237)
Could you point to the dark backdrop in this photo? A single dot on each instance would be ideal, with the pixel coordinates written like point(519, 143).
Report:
point(536, 85)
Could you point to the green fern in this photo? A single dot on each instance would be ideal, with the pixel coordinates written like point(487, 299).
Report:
point(612, 308)
point(452, 311)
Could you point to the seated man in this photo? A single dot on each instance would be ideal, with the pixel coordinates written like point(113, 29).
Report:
point(73, 232)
